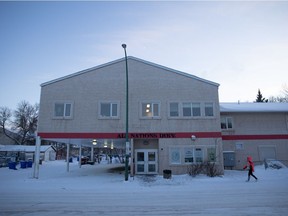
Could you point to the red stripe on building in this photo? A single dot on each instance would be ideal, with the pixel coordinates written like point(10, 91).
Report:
point(162, 135)
point(255, 137)
point(77, 135)
point(131, 135)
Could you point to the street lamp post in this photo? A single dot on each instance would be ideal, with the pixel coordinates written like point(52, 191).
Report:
point(127, 134)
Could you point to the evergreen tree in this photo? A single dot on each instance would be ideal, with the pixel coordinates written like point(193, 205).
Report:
point(260, 98)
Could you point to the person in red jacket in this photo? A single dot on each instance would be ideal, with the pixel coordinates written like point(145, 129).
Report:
point(250, 164)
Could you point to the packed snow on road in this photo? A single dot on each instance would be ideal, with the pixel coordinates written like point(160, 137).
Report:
point(94, 190)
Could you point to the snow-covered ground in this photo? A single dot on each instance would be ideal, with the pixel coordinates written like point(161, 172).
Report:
point(91, 190)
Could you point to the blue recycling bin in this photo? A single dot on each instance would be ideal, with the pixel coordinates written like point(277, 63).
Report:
point(23, 164)
point(29, 164)
point(12, 165)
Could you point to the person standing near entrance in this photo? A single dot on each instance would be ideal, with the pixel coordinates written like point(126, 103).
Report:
point(250, 164)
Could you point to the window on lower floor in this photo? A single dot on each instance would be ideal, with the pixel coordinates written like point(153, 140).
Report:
point(198, 155)
point(175, 156)
point(188, 155)
point(211, 154)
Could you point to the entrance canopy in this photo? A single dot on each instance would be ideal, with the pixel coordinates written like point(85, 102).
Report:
point(98, 143)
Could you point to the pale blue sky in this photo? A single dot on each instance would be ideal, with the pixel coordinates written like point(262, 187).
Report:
point(242, 45)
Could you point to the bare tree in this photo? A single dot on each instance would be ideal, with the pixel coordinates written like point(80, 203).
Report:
point(285, 92)
point(278, 99)
point(24, 123)
point(5, 121)
point(281, 98)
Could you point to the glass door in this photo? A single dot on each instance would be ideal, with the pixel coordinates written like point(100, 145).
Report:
point(146, 161)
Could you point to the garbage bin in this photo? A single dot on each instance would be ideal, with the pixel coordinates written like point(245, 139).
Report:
point(12, 165)
point(23, 164)
point(29, 163)
point(167, 174)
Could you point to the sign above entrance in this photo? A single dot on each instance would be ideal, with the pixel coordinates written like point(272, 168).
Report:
point(167, 135)
point(148, 135)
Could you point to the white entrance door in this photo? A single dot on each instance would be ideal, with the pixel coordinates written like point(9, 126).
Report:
point(146, 161)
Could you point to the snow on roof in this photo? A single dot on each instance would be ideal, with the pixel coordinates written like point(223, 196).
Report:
point(132, 58)
point(253, 107)
point(23, 148)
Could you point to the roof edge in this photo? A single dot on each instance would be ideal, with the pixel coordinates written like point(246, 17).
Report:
point(132, 58)
point(175, 71)
point(253, 107)
point(81, 72)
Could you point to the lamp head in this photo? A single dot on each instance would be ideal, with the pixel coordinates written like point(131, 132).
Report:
point(193, 137)
point(124, 46)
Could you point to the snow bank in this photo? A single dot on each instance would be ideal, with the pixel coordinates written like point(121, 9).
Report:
point(92, 190)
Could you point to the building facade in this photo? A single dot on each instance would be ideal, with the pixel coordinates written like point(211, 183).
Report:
point(174, 117)
point(259, 130)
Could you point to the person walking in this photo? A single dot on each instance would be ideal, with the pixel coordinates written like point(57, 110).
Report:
point(250, 164)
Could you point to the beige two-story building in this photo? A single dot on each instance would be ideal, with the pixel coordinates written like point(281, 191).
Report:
point(174, 117)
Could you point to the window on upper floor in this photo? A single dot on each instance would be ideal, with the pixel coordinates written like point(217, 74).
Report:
point(150, 110)
point(196, 109)
point(187, 109)
point(109, 109)
point(174, 109)
point(209, 111)
point(63, 110)
point(191, 109)
point(226, 123)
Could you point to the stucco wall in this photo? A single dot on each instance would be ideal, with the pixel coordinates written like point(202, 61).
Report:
point(146, 83)
point(258, 123)
point(255, 124)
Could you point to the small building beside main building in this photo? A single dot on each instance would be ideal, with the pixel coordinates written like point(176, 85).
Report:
point(26, 152)
point(175, 118)
point(259, 130)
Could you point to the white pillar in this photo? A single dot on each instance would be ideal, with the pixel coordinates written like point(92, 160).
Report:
point(132, 165)
point(67, 156)
point(37, 157)
point(80, 155)
point(92, 153)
